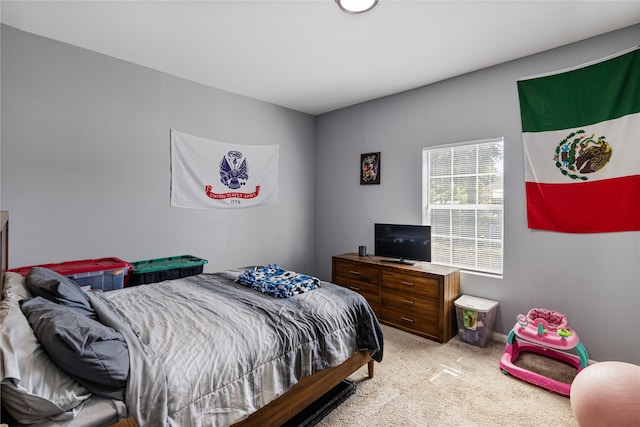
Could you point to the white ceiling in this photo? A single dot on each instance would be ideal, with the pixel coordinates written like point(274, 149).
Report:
point(309, 55)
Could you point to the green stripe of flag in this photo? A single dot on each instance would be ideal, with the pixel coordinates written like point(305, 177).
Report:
point(602, 91)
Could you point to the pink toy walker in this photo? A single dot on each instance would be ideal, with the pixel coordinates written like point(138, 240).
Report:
point(544, 331)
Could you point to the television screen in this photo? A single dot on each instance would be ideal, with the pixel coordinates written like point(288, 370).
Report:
point(403, 242)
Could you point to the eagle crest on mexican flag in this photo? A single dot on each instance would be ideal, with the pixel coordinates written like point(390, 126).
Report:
point(581, 135)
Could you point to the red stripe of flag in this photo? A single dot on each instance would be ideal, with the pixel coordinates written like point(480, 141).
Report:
point(571, 208)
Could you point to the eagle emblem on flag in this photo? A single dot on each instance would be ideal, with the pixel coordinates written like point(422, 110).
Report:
point(577, 155)
point(234, 171)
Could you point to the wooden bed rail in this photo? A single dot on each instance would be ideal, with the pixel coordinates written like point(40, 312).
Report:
point(306, 392)
point(4, 243)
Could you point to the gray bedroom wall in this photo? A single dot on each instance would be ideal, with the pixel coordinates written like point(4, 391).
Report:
point(85, 163)
point(593, 279)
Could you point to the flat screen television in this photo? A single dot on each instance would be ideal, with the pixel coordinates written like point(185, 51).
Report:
point(403, 243)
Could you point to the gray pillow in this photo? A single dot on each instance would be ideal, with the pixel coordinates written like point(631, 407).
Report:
point(55, 287)
point(33, 388)
point(93, 354)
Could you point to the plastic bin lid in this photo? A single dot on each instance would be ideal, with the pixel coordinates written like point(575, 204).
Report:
point(68, 268)
point(159, 264)
point(475, 303)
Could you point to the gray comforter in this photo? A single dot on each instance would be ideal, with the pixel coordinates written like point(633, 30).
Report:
point(206, 351)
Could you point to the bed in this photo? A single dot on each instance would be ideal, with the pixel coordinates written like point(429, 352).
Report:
point(204, 350)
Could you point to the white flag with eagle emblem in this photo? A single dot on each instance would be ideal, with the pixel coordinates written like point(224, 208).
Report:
point(210, 174)
point(581, 135)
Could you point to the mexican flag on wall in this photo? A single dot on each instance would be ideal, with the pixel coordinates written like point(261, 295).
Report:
point(210, 174)
point(581, 134)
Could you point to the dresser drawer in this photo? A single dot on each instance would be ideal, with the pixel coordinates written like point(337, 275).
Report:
point(411, 305)
point(410, 318)
point(393, 282)
point(370, 292)
point(347, 273)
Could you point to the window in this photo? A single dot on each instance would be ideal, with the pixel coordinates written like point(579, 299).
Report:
point(462, 200)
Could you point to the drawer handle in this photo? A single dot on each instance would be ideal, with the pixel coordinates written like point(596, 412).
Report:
point(407, 302)
point(407, 283)
point(353, 288)
point(357, 273)
point(406, 319)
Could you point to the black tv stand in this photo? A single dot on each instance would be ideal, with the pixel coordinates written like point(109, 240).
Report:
point(399, 261)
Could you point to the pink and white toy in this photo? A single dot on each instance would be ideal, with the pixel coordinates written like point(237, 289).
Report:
point(545, 332)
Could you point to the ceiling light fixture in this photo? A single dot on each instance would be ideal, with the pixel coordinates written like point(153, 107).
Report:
point(356, 6)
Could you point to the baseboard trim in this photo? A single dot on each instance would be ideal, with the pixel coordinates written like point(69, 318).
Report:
point(500, 337)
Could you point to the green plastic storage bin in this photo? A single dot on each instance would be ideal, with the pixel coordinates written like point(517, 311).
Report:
point(157, 270)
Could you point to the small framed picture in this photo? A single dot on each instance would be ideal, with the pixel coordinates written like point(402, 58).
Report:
point(370, 168)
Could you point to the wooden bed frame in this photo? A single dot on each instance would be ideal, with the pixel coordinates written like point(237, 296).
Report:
point(4, 242)
point(306, 392)
point(286, 406)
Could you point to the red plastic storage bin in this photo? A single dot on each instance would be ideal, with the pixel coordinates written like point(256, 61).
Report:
point(104, 274)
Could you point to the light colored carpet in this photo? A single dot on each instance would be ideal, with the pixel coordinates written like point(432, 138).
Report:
point(424, 383)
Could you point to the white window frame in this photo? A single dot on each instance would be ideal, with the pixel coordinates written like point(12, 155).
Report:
point(443, 237)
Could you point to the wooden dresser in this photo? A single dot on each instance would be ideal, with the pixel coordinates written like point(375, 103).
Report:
point(415, 298)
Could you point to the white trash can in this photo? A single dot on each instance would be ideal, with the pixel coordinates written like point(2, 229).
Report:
point(476, 318)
